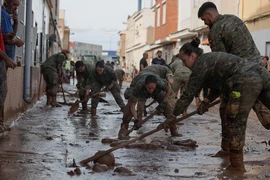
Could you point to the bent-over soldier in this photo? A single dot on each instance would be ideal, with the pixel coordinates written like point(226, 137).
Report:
point(145, 86)
point(120, 75)
point(237, 78)
point(104, 76)
point(83, 73)
point(51, 70)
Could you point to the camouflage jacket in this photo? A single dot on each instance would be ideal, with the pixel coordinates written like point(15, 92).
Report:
point(138, 90)
point(119, 74)
point(209, 68)
point(177, 67)
point(230, 34)
point(105, 79)
point(82, 77)
point(158, 70)
point(54, 62)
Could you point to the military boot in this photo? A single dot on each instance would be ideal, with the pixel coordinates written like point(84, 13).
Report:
point(2, 128)
point(122, 134)
point(54, 103)
point(225, 149)
point(49, 100)
point(122, 109)
point(237, 162)
point(84, 106)
point(93, 111)
point(173, 130)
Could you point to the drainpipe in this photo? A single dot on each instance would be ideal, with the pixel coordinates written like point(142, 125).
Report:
point(28, 53)
point(139, 5)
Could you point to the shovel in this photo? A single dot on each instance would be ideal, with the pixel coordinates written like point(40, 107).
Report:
point(101, 154)
point(75, 106)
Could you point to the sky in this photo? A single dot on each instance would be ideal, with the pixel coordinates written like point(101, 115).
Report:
point(97, 21)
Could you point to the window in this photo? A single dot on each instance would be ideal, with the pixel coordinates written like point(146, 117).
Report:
point(164, 14)
point(158, 17)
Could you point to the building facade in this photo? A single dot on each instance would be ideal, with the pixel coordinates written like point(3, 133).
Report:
point(78, 49)
point(256, 15)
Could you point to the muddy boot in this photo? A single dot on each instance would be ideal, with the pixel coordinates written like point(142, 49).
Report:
point(54, 103)
point(237, 162)
point(122, 109)
point(122, 134)
point(93, 111)
point(49, 100)
point(2, 128)
point(84, 107)
point(225, 151)
point(173, 130)
point(198, 101)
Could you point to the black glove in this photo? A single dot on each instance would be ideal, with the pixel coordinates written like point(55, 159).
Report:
point(203, 107)
point(166, 124)
point(137, 124)
point(161, 107)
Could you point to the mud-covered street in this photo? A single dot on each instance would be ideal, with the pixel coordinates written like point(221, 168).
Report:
point(48, 143)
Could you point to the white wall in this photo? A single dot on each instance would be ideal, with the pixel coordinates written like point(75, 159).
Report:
point(260, 39)
point(37, 7)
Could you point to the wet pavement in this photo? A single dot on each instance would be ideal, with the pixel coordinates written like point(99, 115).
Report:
point(47, 143)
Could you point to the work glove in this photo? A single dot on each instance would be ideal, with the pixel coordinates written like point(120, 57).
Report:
point(161, 107)
point(203, 107)
point(137, 124)
point(166, 124)
point(78, 86)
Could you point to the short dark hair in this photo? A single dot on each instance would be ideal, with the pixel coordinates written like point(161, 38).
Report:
point(112, 63)
point(159, 51)
point(79, 64)
point(150, 79)
point(266, 57)
point(205, 6)
point(100, 64)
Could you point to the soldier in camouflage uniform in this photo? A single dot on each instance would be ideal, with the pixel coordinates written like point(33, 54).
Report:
point(143, 86)
point(163, 72)
point(238, 78)
point(120, 75)
point(104, 76)
point(51, 70)
point(229, 34)
point(83, 71)
point(180, 75)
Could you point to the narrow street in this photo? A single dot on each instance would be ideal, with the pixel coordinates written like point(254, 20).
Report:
point(44, 142)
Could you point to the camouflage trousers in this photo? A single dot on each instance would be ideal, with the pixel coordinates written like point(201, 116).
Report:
point(51, 78)
point(180, 81)
point(120, 82)
point(238, 98)
point(115, 90)
point(141, 107)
